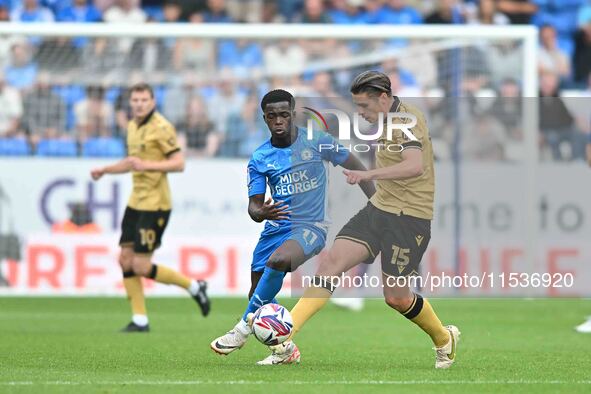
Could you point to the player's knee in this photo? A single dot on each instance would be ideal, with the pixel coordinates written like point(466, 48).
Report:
point(279, 262)
point(401, 304)
point(126, 260)
point(141, 266)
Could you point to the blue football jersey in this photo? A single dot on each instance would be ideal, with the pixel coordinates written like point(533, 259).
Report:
point(297, 175)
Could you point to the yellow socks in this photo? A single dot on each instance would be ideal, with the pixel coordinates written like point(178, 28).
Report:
point(312, 301)
point(422, 314)
point(135, 292)
point(167, 276)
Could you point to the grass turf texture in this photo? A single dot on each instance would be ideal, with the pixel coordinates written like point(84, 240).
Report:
point(72, 345)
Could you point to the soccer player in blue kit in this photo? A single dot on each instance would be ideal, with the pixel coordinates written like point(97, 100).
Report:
point(295, 169)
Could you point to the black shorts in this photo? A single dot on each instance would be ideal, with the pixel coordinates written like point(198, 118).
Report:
point(401, 239)
point(143, 229)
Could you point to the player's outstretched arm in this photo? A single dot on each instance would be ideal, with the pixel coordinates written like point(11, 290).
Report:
point(173, 163)
point(354, 164)
point(260, 210)
point(120, 167)
point(411, 166)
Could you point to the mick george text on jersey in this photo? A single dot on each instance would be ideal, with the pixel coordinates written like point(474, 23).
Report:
point(295, 182)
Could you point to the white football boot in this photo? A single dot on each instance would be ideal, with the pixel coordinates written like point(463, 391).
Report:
point(446, 355)
point(285, 353)
point(232, 340)
point(584, 328)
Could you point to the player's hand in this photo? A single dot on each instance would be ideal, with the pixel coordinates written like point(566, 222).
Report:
point(277, 210)
point(136, 163)
point(354, 177)
point(97, 173)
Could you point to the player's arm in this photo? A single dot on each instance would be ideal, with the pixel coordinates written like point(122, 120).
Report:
point(260, 210)
point(339, 156)
point(174, 162)
point(411, 166)
point(121, 167)
point(354, 164)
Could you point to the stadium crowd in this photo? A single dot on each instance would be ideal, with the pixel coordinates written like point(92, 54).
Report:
point(67, 96)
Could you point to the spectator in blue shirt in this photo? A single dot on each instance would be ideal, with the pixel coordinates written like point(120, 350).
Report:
point(289, 8)
point(347, 12)
point(31, 11)
point(80, 11)
point(399, 13)
point(245, 131)
point(216, 12)
point(57, 6)
point(241, 56)
point(22, 72)
point(376, 12)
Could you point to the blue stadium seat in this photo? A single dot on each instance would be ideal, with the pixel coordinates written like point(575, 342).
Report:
point(103, 147)
point(61, 148)
point(14, 147)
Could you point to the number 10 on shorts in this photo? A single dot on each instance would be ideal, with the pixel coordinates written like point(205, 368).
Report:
point(148, 237)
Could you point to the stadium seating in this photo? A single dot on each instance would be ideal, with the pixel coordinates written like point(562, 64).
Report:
point(103, 147)
point(14, 147)
point(58, 148)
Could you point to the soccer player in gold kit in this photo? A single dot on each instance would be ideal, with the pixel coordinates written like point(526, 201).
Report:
point(153, 152)
point(396, 222)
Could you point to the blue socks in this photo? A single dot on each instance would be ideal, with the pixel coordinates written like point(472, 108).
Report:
point(266, 290)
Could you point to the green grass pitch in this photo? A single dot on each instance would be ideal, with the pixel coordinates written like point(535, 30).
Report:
point(508, 345)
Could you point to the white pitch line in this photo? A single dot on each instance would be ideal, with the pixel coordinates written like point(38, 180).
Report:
point(294, 382)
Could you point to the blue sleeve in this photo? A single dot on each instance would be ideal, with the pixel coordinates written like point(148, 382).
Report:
point(255, 179)
point(337, 155)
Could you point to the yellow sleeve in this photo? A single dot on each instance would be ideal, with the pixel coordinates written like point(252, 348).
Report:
point(419, 131)
point(167, 141)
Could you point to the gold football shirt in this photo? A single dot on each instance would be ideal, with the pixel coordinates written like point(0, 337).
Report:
point(154, 140)
point(412, 196)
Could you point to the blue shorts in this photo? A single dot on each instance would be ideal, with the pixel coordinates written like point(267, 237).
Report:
point(311, 238)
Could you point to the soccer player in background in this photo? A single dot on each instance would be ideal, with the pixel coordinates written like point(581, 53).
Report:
point(395, 223)
point(153, 152)
point(295, 169)
point(585, 327)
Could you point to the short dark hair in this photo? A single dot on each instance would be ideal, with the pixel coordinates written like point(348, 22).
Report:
point(278, 96)
point(371, 82)
point(141, 87)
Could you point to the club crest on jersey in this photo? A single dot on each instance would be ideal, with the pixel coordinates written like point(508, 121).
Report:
point(306, 155)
